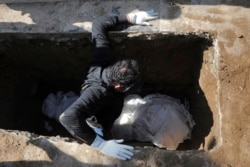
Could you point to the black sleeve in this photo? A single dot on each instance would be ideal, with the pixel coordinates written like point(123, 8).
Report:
point(102, 47)
point(74, 117)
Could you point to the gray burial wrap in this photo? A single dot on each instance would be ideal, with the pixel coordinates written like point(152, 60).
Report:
point(156, 118)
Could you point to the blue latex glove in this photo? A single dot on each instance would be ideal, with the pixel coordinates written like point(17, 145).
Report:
point(93, 123)
point(113, 148)
point(98, 131)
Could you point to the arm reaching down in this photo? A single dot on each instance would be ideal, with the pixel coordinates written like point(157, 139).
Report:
point(93, 100)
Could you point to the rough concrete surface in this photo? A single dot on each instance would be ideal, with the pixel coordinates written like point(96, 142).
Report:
point(223, 80)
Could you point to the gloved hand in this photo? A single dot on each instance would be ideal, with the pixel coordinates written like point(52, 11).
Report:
point(93, 123)
point(98, 131)
point(141, 17)
point(113, 148)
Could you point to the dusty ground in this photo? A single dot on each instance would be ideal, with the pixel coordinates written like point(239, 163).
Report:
point(223, 80)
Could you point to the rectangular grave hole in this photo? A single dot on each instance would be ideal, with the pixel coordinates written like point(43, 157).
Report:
point(34, 65)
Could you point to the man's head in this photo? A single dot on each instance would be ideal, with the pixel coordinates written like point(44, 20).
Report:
point(123, 74)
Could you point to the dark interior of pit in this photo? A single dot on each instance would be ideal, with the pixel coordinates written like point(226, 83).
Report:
point(34, 65)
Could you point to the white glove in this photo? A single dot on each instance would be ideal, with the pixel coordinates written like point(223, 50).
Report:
point(141, 17)
point(113, 148)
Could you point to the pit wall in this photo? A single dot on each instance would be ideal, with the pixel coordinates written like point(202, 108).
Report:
point(224, 76)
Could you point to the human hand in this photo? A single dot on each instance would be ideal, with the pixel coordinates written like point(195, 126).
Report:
point(93, 123)
point(142, 17)
point(98, 131)
point(113, 148)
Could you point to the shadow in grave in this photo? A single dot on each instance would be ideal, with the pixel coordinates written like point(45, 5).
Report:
point(37, 66)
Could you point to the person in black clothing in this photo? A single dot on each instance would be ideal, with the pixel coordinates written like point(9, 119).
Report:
point(104, 88)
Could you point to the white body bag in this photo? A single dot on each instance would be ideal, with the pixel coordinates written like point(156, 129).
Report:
point(156, 118)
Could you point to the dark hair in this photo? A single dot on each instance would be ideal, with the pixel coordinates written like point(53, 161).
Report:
point(124, 72)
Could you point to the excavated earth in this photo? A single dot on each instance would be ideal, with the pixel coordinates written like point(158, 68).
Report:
point(197, 50)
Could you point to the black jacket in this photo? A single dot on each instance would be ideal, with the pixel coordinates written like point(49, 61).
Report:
point(97, 98)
